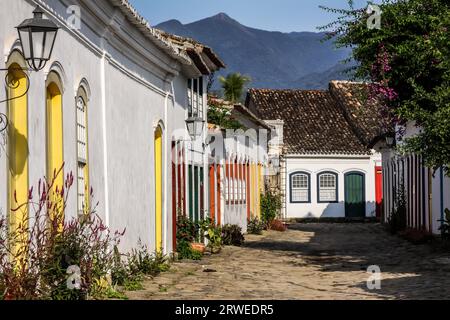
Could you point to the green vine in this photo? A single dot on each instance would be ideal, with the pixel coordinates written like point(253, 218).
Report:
point(221, 116)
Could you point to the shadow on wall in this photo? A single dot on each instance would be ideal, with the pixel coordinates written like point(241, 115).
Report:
point(18, 161)
point(408, 271)
point(338, 210)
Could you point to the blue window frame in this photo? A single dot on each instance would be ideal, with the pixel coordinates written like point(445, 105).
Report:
point(300, 187)
point(327, 187)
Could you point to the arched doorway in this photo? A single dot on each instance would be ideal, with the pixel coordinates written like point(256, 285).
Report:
point(18, 183)
point(55, 158)
point(355, 195)
point(158, 143)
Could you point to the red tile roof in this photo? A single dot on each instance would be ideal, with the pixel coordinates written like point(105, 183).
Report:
point(316, 122)
point(360, 113)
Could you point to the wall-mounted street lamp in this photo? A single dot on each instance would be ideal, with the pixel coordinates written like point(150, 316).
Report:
point(37, 39)
point(195, 126)
point(390, 140)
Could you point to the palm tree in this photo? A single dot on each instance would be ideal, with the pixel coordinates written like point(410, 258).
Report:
point(233, 86)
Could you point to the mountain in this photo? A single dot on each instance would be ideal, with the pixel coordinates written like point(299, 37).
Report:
point(272, 59)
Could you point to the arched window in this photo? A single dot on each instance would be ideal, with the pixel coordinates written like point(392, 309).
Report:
point(82, 153)
point(327, 184)
point(55, 157)
point(300, 187)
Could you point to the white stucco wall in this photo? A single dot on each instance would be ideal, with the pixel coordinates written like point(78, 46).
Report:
point(134, 86)
point(440, 195)
point(339, 165)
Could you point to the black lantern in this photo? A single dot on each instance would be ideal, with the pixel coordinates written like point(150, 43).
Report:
point(390, 140)
point(37, 37)
point(195, 127)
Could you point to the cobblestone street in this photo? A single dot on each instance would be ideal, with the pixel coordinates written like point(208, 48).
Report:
point(310, 261)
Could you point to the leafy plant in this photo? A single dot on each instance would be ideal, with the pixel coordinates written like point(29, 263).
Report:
point(126, 271)
point(214, 237)
point(255, 226)
point(37, 253)
point(140, 261)
point(445, 228)
point(212, 233)
point(232, 235)
point(112, 293)
point(187, 233)
point(187, 230)
point(185, 251)
point(407, 65)
point(270, 207)
point(221, 116)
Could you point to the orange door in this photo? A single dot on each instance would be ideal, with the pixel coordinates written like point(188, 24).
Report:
point(379, 190)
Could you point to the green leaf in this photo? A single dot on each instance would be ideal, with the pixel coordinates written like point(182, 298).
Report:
point(447, 215)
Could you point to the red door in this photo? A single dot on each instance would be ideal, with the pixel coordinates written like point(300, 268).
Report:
point(249, 217)
point(219, 213)
point(379, 190)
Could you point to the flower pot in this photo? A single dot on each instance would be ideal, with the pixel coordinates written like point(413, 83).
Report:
point(199, 247)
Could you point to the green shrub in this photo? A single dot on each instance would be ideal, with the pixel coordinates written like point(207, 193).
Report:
point(112, 293)
point(232, 235)
point(187, 233)
point(212, 233)
point(187, 230)
point(140, 261)
point(185, 251)
point(270, 207)
point(123, 273)
point(255, 226)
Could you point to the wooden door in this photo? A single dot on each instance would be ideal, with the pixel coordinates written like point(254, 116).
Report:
point(355, 202)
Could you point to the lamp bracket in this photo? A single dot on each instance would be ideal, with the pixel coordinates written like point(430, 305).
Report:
point(12, 83)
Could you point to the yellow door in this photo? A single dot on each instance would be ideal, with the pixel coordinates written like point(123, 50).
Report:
point(260, 188)
point(18, 150)
point(55, 159)
point(158, 188)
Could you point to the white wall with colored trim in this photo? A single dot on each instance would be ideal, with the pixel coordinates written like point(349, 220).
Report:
point(134, 86)
point(339, 165)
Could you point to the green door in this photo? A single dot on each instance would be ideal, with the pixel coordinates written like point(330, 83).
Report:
point(355, 200)
point(196, 195)
point(191, 193)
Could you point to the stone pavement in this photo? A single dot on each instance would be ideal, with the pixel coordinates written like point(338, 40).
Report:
point(310, 261)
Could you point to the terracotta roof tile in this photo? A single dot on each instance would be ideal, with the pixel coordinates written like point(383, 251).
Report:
point(361, 114)
point(315, 123)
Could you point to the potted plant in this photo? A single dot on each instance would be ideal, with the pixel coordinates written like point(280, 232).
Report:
point(199, 247)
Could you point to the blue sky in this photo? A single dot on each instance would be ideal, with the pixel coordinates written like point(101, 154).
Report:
point(273, 15)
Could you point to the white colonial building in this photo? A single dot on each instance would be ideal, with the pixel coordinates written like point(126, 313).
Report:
point(426, 191)
point(321, 138)
point(110, 104)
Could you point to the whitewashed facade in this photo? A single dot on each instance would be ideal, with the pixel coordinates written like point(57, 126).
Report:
point(329, 201)
point(426, 191)
point(322, 165)
point(133, 82)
